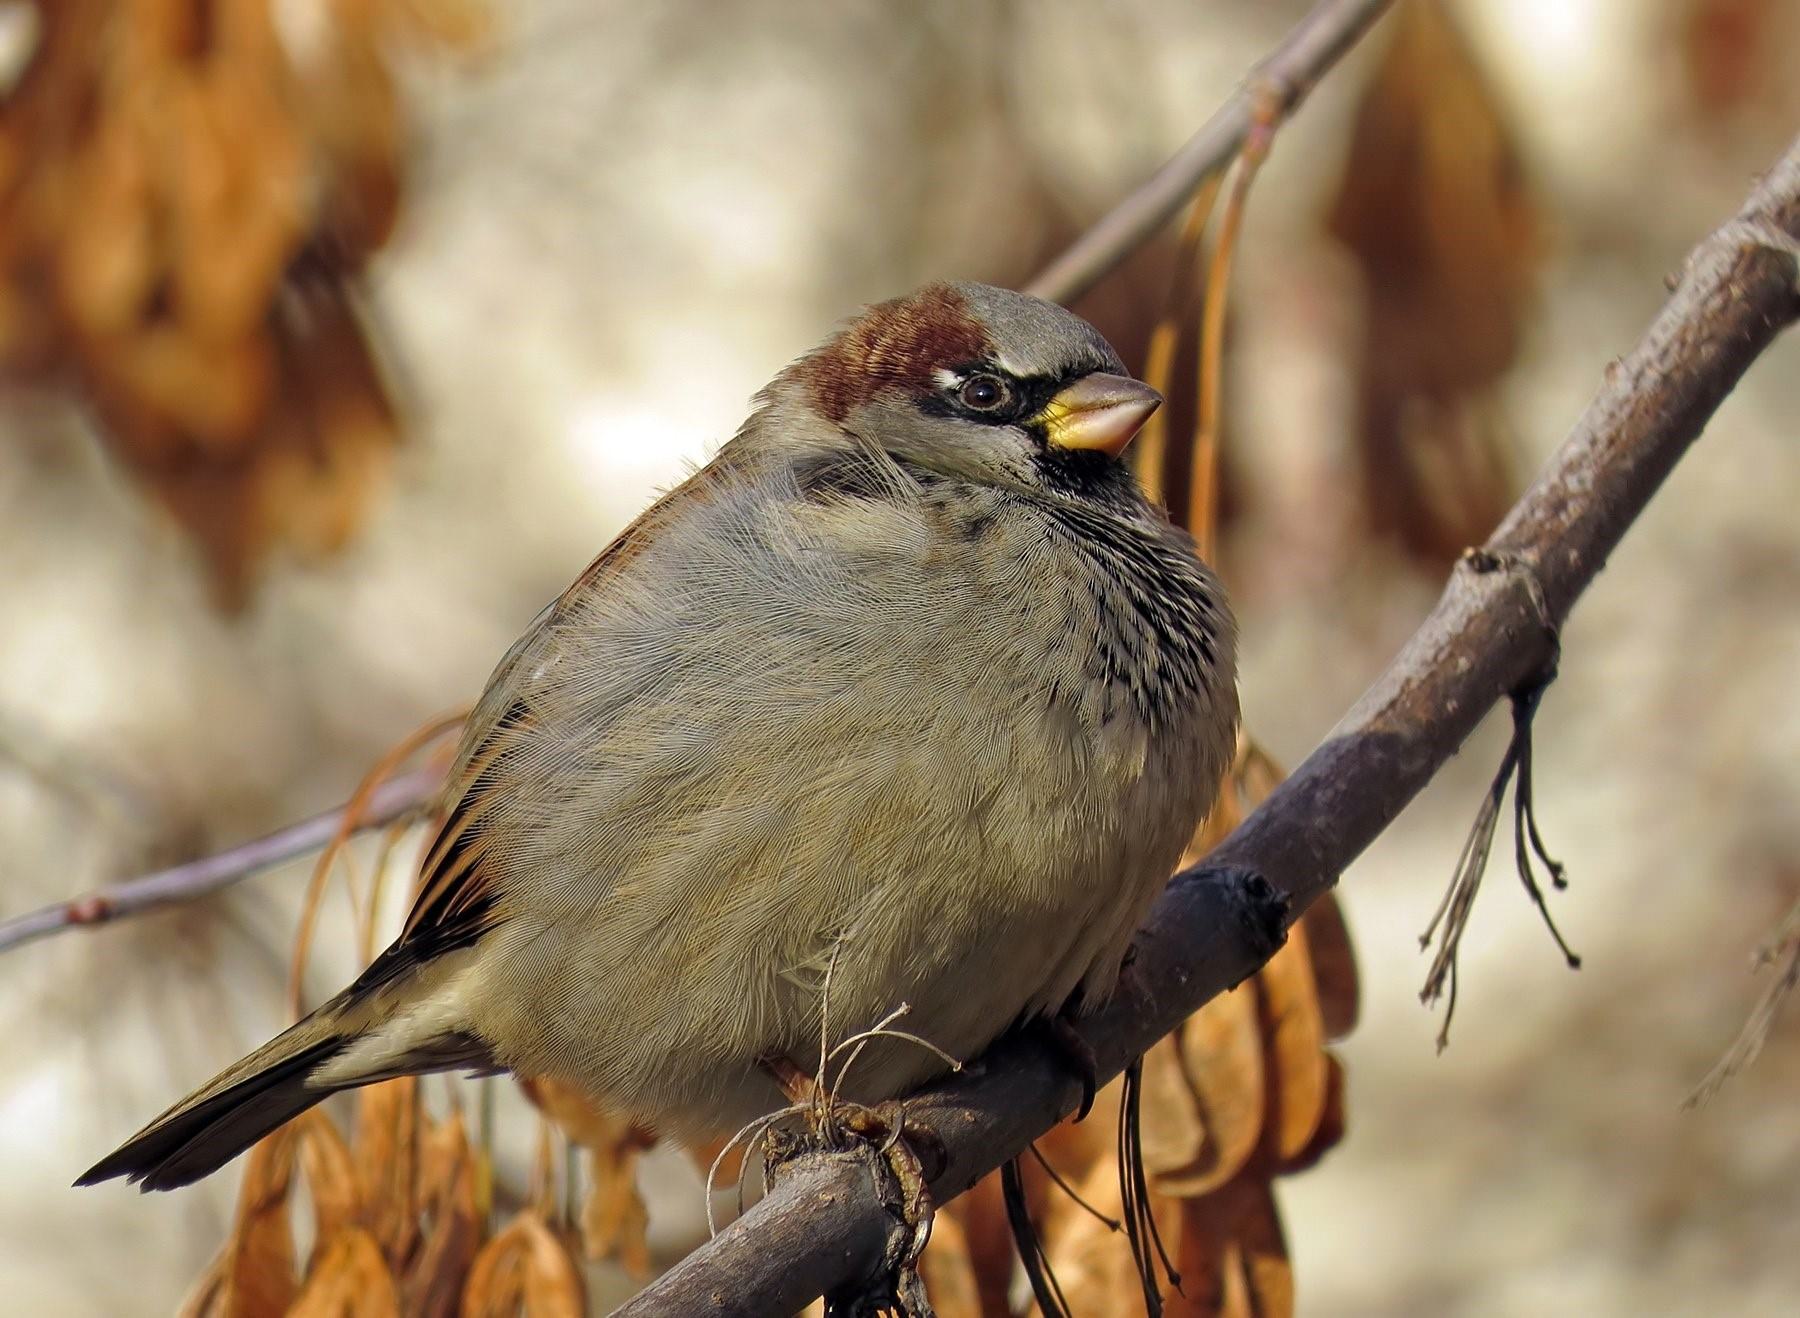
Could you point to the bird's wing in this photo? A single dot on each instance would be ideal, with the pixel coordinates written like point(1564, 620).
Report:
point(457, 890)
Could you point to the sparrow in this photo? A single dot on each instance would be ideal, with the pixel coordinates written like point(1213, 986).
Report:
point(908, 698)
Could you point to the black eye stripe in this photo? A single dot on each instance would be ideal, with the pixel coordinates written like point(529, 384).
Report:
point(1029, 394)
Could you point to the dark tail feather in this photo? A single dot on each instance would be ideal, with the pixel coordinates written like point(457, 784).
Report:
point(203, 1133)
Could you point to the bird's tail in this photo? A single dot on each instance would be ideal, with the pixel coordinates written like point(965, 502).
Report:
point(274, 1084)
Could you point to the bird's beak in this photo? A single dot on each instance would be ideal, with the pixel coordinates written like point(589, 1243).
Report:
point(1098, 411)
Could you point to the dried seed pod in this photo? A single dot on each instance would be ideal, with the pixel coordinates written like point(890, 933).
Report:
point(1233, 1256)
point(260, 1280)
point(185, 207)
point(553, 1282)
point(387, 1163)
point(1293, 1032)
point(349, 1279)
point(1436, 209)
point(614, 1219)
point(1333, 966)
point(526, 1265)
point(433, 1283)
point(496, 1283)
point(1222, 1056)
point(1174, 1130)
point(330, 1174)
point(1331, 1123)
point(949, 1271)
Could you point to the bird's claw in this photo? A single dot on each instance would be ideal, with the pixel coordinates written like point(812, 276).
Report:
point(1075, 1053)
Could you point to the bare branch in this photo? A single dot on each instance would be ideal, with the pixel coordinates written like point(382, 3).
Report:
point(195, 878)
point(1276, 87)
point(821, 1226)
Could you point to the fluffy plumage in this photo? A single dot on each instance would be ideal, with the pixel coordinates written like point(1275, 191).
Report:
point(900, 678)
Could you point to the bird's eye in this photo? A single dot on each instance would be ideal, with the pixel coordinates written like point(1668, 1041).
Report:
point(984, 393)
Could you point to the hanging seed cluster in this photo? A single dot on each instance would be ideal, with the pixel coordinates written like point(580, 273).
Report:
point(188, 199)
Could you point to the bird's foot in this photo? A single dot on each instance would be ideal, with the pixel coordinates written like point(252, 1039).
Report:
point(901, 1163)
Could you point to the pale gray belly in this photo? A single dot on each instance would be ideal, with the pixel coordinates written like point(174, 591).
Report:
point(988, 899)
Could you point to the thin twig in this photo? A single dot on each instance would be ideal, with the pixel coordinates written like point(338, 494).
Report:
point(353, 819)
point(1291, 70)
point(1750, 1040)
point(1110, 1223)
point(196, 878)
point(824, 1227)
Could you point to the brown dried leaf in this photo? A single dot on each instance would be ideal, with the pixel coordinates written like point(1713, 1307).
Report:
point(349, 1279)
point(1331, 1122)
point(949, 1272)
point(1172, 1129)
point(496, 1284)
point(387, 1163)
point(434, 1277)
point(1333, 966)
point(260, 1279)
point(987, 1240)
point(1222, 1055)
point(527, 1265)
point(1435, 207)
point(1293, 1047)
point(553, 1282)
point(330, 1175)
point(207, 1298)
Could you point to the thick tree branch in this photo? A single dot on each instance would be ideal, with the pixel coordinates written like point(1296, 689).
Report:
point(821, 1226)
point(1276, 86)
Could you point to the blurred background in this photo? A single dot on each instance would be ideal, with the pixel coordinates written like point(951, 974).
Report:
point(338, 335)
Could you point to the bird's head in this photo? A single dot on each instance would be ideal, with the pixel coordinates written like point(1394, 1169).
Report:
point(983, 384)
